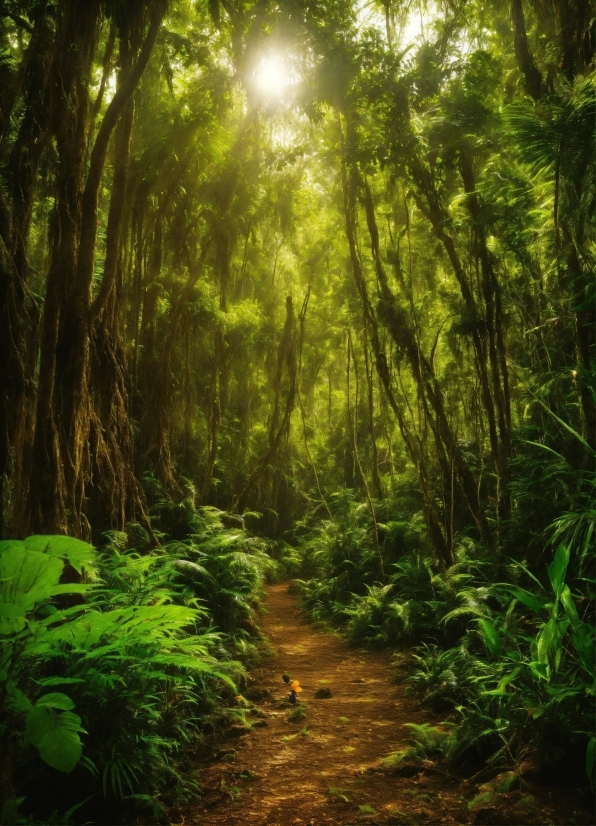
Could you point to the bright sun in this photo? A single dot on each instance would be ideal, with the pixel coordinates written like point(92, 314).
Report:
point(271, 77)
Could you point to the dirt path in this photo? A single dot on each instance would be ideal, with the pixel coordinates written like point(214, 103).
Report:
point(320, 770)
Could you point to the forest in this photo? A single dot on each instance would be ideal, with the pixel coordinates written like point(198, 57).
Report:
point(297, 309)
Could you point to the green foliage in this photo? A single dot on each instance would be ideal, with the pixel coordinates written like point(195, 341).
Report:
point(428, 744)
point(54, 734)
point(430, 208)
point(139, 655)
point(535, 688)
point(511, 662)
point(296, 715)
point(27, 578)
point(80, 555)
point(343, 557)
point(30, 573)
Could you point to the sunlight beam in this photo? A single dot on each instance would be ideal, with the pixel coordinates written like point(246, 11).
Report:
point(271, 77)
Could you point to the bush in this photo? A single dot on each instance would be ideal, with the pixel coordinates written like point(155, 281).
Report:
point(113, 677)
point(511, 662)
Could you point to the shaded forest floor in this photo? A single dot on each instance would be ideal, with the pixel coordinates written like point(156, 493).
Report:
point(323, 769)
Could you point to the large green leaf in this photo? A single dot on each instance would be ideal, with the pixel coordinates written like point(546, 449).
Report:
point(81, 555)
point(9, 609)
point(569, 606)
point(541, 670)
point(26, 579)
point(490, 635)
point(15, 699)
point(51, 681)
point(56, 736)
point(546, 640)
point(558, 567)
point(549, 641)
point(533, 601)
point(56, 700)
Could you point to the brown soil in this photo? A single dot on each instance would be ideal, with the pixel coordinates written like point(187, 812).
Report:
point(324, 769)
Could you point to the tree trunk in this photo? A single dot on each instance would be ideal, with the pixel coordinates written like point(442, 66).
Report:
point(18, 330)
point(493, 317)
point(47, 493)
point(442, 549)
point(525, 61)
point(74, 404)
point(376, 479)
point(423, 372)
point(286, 356)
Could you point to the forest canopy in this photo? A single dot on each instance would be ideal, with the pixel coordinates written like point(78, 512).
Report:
point(322, 267)
point(268, 251)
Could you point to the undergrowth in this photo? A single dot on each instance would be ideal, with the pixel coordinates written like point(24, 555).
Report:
point(502, 645)
point(117, 662)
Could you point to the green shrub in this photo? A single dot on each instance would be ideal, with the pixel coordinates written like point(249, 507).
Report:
point(511, 662)
point(115, 676)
